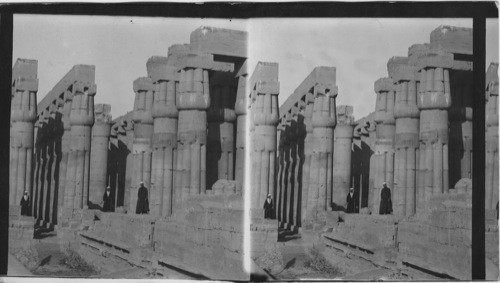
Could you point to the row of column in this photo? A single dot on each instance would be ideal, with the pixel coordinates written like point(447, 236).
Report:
point(67, 143)
point(183, 132)
point(424, 129)
point(315, 145)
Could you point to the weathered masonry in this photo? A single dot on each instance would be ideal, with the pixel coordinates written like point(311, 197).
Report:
point(418, 140)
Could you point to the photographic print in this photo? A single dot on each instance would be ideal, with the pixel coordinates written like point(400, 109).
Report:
point(256, 149)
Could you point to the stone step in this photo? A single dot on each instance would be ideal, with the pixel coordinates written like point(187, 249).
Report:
point(113, 243)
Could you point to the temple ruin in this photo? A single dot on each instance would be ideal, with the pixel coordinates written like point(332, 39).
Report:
point(186, 140)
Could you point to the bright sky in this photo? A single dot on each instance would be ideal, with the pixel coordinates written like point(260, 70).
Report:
point(120, 46)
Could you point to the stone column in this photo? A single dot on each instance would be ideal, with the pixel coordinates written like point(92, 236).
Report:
point(78, 171)
point(286, 161)
point(265, 114)
point(143, 134)
point(294, 182)
point(39, 166)
point(491, 182)
point(280, 188)
point(367, 150)
point(460, 116)
point(23, 117)
point(407, 118)
point(342, 152)
point(128, 139)
point(65, 145)
point(323, 121)
point(165, 116)
point(53, 166)
point(434, 100)
point(99, 153)
point(193, 101)
point(383, 168)
point(308, 149)
point(241, 110)
point(301, 134)
point(221, 118)
point(45, 176)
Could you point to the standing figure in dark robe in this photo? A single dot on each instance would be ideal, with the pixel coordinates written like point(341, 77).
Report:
point(142, 200)
point(351, 203)
point(25, 204)
point(268, 208)
point(107, 200)
point(385, 200)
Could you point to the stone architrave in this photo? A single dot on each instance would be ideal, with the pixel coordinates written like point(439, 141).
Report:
point(23, 117)
point(265, 116)
point(323, 120)
point(143, 134)
point(407, 153)
point(491, 193)
point(342, 152)
point(383, 158)
point(434, 100)
point(78, 172)
point(165, 116)
point(99, 148)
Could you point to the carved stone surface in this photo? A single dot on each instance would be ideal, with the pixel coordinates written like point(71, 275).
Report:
point(23, 117)
point(491, 194)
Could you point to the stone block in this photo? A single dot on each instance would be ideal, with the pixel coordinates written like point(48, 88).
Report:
point(267, 87)
point(159, 70)
point(452, 39)
point(204, 61)
point(435, 59)
point(143, 84)
point(395, 62)
point(25, 68)
point(384, 84)
point(226, 187)
point(405, 73)
point(463, 185)
point(220, 41)
point(26, 84)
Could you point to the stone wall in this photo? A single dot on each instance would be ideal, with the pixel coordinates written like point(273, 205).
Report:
point(439, 239)
point(370, 232)
point(209, 227)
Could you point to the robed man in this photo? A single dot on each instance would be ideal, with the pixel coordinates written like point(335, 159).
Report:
point(351, 203)
point(25, 204)
point(142, 200)
point(385, 200)
point(268, 207)
point(107, 200)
